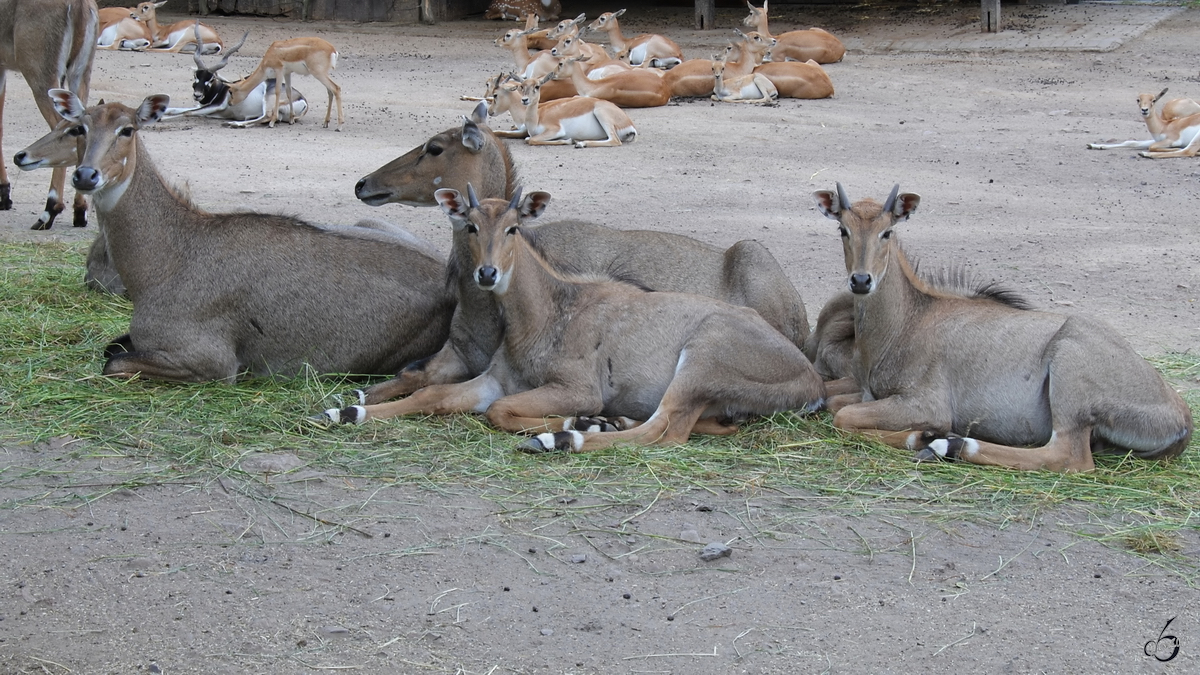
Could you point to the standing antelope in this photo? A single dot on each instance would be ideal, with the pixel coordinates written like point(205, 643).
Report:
point(176, 36)
point(51, 43)
point(744, 274)
point(578, 346)
point(121, 29)
point(216, 294)
point(956, 372)
point(1177, 126)
point(797, 45)
point(307, 56)
point(214, 95)
point(647, 49)
point(546, 10)
point(581, 121)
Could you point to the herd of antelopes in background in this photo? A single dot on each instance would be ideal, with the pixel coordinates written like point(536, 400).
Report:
point(580, 335)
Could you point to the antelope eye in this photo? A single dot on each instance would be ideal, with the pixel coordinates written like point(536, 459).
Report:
point(471, 229)
point(126, 132)
point(886, 234)
point(76, 131)
point(511, 230)
point(434, 150)
point(843, 231)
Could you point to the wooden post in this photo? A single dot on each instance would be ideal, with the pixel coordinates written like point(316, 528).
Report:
point(705, 12)
point(989, 16)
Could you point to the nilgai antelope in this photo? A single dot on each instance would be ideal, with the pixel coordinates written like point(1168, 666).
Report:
point(51, 43)
point(749, 88)
point(174, 37)
point(797, 45)
point(214, 95)
point(580, 120)
point(217, 294)
point(546, 10)
point(121, 29)
point(954, 371)
point(745, 274)
point(647, 49)
point(587, 346)
point(1176, 126)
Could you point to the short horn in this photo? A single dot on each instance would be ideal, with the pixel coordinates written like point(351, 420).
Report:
point(1160, 95)
point(891, 200)
point(841, 192)
point(471, 198)
point(516, 200)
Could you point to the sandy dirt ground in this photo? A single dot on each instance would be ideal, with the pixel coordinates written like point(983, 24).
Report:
point(222, 577)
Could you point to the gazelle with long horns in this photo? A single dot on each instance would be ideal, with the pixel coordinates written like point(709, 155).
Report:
point(1175, 130)
point(214, 95)
point(954, 370)
point(579, 347)
point(51, 43)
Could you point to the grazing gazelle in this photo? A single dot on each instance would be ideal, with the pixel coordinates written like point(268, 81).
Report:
point(955, 371)
point(51, 43)
point(647, 49)
point(797, 45)
point(1175, 130)
point(217, 294)
point(589, 346)
point(744, 274)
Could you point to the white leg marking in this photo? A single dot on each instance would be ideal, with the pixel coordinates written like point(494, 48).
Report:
point(547, 440)
point(940, 446)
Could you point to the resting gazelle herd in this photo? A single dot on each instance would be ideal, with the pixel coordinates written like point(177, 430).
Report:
point(638, 337)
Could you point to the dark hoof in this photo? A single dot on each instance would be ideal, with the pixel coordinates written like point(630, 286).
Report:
point(80, 218)
point(121, 345)
point(6, 205)
point(39, 226)
point(354, 414)
point(940, 449)
point(559, 441)
point(594, 424)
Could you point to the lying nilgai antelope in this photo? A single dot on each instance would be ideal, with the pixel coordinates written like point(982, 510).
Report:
point(745, 274)
point(582, 346)
point(956, 372)
point(216, 294)
point(1175, 130)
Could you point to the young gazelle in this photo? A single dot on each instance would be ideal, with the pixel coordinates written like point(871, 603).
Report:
point(176, 36)
point(587, 346)
point(797, 45)
point(305, 55)
point(954, 371)
point(1176, 126)
point(750, 88)
point(647, 49)
point(636, 88)
point(581, 121)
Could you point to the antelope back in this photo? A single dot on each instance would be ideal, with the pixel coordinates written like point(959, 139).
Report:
point(469, 153)
point(63, 42)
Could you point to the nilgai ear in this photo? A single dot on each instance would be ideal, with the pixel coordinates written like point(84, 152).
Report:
point(151, 110)
point(828, 203)
point(479, 114)
point(472, 133)
point(906, 205)
point(453, 205)
point(66, 104)
point(534, 205)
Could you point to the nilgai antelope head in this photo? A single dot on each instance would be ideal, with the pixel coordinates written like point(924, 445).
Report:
point(107, 137)
point(1146, 102)
point(493, 228)
point(866, 229)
